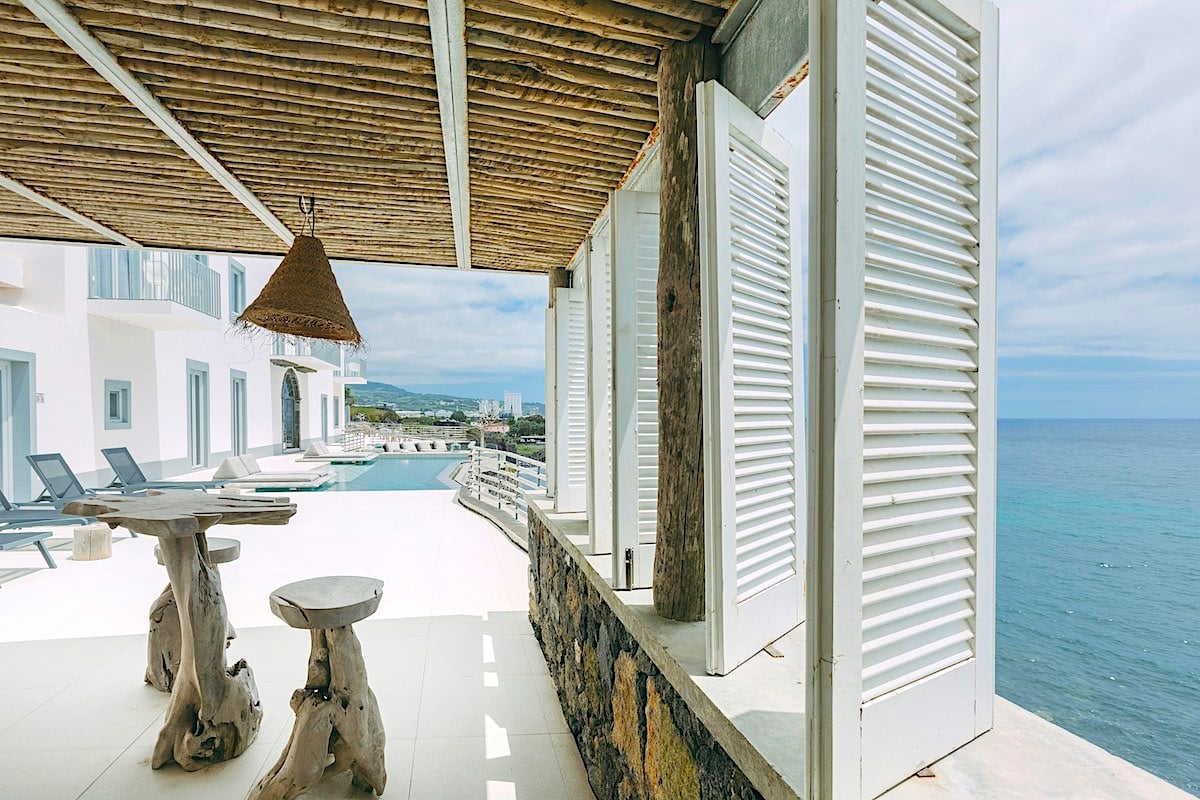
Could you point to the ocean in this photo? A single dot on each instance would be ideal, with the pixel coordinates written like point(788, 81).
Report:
point(1098, 584)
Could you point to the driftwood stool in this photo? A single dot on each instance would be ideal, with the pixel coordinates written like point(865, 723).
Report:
point(338, 726)
point(166, 644)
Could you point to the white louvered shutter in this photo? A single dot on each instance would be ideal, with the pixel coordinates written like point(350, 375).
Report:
point(635, 386)
point(571, 408)
point(920, 233)
point(599, 318)
point(551, 409)
point(752, 315)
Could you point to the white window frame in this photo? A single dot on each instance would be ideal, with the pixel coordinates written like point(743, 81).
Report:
point(123, 391)
point(237, 288)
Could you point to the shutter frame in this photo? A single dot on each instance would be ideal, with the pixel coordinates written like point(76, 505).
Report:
point(634, 247)
point(902, 554)
point(598, 263)
point(752, 345)
point(571, 426)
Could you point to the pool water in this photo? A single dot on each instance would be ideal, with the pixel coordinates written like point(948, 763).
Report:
point(391, 473)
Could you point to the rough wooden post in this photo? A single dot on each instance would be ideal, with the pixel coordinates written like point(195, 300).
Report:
point(559, 279)
point(679, 552)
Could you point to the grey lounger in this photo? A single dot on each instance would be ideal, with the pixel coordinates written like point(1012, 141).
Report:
point(130, 477)
point(61, 484)
point(15, 517)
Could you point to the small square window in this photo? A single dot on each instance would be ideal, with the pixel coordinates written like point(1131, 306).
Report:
point(117, 409)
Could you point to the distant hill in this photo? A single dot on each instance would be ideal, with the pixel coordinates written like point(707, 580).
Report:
point(374, 393)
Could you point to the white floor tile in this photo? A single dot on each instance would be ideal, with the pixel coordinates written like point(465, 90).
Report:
point(574, 775)
point(53, 774)
point(525, 768)
point(465, 705)
point(85, 717)
point(16, 703)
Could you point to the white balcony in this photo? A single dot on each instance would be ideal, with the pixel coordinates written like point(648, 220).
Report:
point(155, 290)
point(314, 355)
point(353, 373)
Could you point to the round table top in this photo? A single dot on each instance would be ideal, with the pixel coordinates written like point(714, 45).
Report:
point(329, 601)
point(220, 550)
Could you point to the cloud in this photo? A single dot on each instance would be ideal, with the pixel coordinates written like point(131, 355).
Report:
point(431, 326)
point(1099, 211)
point(446, 326)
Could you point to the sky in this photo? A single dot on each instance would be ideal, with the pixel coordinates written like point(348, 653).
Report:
point(1099, 307)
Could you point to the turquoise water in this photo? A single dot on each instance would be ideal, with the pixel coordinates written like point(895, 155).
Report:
point(1098, 584)
point(389, 473)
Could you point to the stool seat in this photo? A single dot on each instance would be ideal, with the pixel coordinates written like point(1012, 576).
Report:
point(327, 602)
point(220, 551)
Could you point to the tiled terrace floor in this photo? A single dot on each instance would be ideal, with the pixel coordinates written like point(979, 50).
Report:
point(468, 707)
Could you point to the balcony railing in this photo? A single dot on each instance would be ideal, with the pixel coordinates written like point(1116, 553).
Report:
point(328, 352)
point(503, 479)
point(181, 278)
point(353, 369)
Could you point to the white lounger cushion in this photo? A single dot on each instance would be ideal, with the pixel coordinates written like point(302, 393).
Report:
point(250, 463)
point(316, 449)
point(230, 468)
point(439, 445)
point(408, 447)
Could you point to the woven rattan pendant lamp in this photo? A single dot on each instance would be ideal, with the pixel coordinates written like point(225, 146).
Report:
point(302, 297)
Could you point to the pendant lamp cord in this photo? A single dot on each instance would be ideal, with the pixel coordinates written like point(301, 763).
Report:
point(310, 215)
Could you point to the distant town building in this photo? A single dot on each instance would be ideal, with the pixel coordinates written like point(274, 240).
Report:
point(489, 408)
point(512, 404)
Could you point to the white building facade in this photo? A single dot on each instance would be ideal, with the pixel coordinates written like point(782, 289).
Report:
point(108, 347)
point(512, 404)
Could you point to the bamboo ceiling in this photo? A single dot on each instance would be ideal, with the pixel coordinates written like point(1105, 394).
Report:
point(338, 99)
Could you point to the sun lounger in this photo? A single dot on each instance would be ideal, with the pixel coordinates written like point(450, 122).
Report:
point(319, 451)
point(14, 517)
point(130, 477)
point(61, 484)
point(11, 541)
point(245, 472)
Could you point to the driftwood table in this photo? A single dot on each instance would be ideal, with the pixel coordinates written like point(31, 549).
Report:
point(214, 712)
point(165, 641)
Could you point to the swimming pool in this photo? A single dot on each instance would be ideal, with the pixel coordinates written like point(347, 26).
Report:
point(390, 473)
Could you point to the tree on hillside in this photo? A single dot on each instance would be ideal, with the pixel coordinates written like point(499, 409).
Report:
point(533, 425)
point(458, 416)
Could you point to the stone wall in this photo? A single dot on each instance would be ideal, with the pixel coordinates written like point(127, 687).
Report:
point(638, 739)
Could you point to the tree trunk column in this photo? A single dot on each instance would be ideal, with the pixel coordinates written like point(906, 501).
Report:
point(679, 551)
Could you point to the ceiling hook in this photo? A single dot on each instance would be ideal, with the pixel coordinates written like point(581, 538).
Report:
point(310, 214)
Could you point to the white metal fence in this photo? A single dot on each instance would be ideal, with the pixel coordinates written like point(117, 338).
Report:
point(381, 433)
point(503, 479)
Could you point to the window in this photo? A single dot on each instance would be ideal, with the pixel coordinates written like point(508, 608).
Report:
point(337, 413)
point(117, 410)
point(237, 288)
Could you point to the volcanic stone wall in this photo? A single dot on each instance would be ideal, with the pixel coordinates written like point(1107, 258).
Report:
point(638, 739)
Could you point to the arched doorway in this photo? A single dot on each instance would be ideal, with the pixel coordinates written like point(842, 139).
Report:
point(290, 395)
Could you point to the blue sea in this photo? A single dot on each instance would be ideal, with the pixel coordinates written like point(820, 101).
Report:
point(1098, 584)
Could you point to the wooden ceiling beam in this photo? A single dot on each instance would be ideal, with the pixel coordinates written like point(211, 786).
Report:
point(56, 17)
point(18, 188)
point(447, 29)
